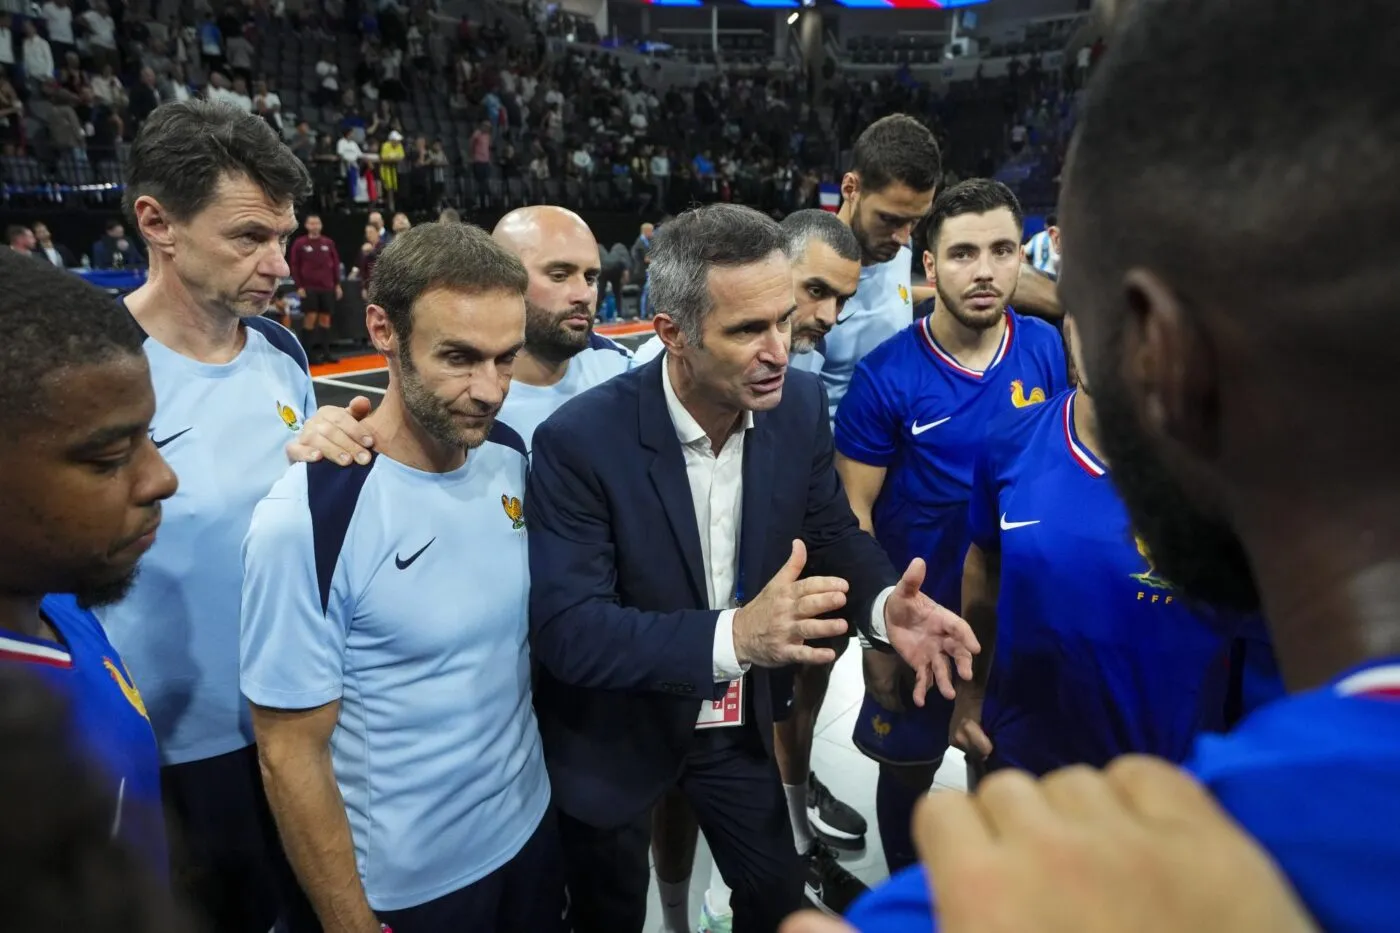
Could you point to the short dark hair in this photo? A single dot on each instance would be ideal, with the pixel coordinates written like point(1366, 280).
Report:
point(14, 232)
point(897, 148)
point(804, 226)
point(687, 248)
point(1214, 197)
point(185, 147)
point(112, 222)
point(462, 257)
point(973, 196)
point(52, 319)
point(1051, 221)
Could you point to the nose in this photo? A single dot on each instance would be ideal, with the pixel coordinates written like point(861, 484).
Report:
point(488, 385)
point(274, 264)
point(156, 480)
point(827, 312)
point(903, 234)
point(583, 292)
point(774, 351)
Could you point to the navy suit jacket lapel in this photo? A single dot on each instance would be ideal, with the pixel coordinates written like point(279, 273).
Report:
point(668, 476)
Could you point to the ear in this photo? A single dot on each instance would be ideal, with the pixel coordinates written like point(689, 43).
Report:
point(381, 331)
point(672, 337)
point(930, 269)
point(154, 224)
point(1169, 365)
point(850, 186)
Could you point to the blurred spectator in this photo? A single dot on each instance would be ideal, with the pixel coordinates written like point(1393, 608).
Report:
point(58, 26)
point(303, 142)
point(20, 239)
point(7, 47)
point(641, 253)
point(55, 253)
point(115, 250)
point(369, 255)
point(211, 43)
point(268, 105)
point(38, 57)
point(101, 31)
point(71, 76)
point(176, 87)
point(107, 89)
point(66, 136)
point(391, 156)
point(11, 113)
point(145, 97)
point(238, 52)
point(480, 148)
point(156, 59)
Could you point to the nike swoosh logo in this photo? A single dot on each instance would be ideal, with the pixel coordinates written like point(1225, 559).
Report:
point(1011, 526)
point(916, 429)
point(161, 443)
point(405, 564)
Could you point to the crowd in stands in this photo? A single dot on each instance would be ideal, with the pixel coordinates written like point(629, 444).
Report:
point(356, 88)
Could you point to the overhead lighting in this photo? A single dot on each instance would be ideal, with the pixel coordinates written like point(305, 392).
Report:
point(792, 18)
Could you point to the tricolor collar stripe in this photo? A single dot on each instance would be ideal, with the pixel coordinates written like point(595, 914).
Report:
point(946, 357)
point(18, 648)
point(1081, 454)
point(1380, 682)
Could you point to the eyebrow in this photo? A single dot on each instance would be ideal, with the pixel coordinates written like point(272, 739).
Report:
point(750, 322)
point(818, 280)
point(564, 265)
point(253, 226)
point(461, 346)
point(103, 438)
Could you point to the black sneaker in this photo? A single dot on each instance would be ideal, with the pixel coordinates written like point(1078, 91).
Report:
point(829, 886)
point(833, 821)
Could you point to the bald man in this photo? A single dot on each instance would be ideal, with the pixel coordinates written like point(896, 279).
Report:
point(562, 355)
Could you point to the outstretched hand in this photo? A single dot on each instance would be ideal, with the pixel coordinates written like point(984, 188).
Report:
point(926, 635)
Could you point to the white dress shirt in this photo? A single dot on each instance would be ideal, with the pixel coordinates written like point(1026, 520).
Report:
point(717, 491)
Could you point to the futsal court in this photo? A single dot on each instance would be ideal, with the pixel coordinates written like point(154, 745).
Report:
point(849, 774)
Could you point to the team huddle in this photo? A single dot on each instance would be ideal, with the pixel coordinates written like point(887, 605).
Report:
point(488, 655)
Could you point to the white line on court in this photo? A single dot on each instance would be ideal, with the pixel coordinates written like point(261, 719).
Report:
point(342, 384)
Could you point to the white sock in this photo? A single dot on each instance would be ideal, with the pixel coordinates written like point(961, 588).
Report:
point(717, 897)
point(675, 905)
point(797, 812)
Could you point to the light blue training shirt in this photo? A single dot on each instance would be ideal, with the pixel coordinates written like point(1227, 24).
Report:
point(403, 595)
point(527, 406)
point(882, 306)
point(223, 429)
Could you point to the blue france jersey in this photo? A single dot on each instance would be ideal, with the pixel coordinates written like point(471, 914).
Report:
point(223, 429)
point(919, 413)
point(526, 406)
point(1096, 656)
point(108, 718)
point(1312, 777)
point(882, 306)
point(403, 595)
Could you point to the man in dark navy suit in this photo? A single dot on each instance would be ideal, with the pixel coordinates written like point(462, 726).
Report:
point(676, 556)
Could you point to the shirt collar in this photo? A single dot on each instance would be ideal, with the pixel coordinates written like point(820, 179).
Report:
point(687, 428)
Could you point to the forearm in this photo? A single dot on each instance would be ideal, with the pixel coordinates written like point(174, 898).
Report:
point(310, 815)
point(601, 645)
point(981, 585)
point(1036, 294)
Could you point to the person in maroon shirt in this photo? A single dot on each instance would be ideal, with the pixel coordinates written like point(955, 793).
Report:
point(315, 265)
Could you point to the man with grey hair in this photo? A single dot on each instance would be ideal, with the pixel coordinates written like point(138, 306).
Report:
point(825, 258)
point(667, 555)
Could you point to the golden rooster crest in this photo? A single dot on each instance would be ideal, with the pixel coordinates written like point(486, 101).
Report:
point(1149, 578)
point(515, 511)
point(123, 679)
point(288, 416)
point(903, 294)
point(880, 726)
point(1020, 399)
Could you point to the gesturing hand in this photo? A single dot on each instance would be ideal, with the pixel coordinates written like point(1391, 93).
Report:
point(771, 630)
point(926, 635)
point(332, 433)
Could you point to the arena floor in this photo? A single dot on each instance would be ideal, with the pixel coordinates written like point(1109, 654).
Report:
point(849, 774)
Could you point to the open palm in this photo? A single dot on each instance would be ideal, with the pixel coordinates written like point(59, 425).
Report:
point(926, 635)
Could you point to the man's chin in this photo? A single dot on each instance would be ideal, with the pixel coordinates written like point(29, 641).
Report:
point(94, 594)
